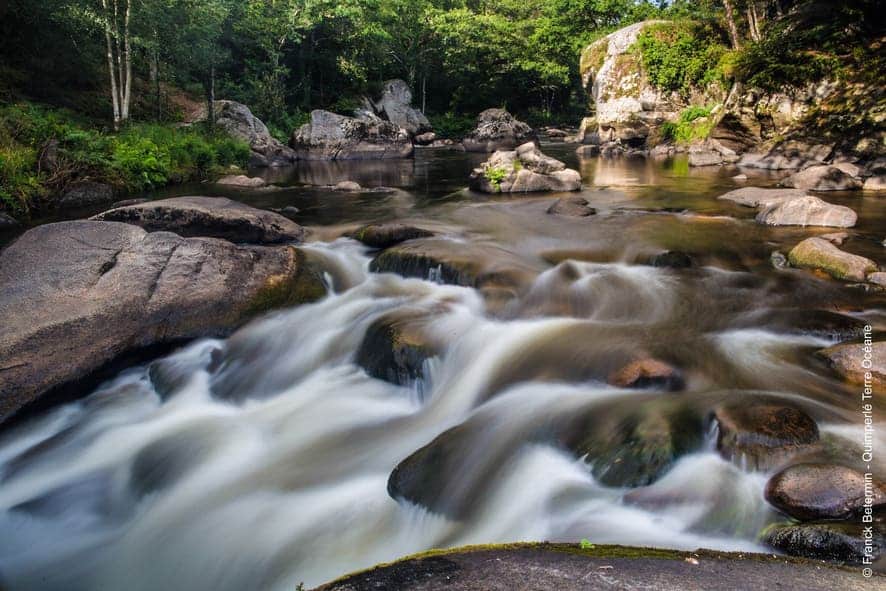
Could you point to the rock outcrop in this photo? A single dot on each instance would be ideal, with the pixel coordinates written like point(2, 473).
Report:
point(523, 170)
point(395, 105)
point(815, 253)
point(822, 178)
point(387, 235)
point(807, 211)
point(75, 296)
point(236, 119)
point(496, 129)
point(329, 136)
point(208, 216)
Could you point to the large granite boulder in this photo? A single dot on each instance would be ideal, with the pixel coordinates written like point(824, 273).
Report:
point(823, 178)
point(77, 295)
point(807, 211)
point(86, 194)
point(395, 105)
point(329, 136)
point(816, 253)
point(497, 129)
point(523, 170)
point(216, 217)
point(236, 119)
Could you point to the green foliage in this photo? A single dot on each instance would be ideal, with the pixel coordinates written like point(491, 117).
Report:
point(682, 55)
point(495, 175)
point(586, 544)
point(452, 126)
point(694, 123)
point(141, 157)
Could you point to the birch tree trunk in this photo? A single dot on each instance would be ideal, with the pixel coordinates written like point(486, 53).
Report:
point(127, 66)
point(115, 97)
point(730, 24)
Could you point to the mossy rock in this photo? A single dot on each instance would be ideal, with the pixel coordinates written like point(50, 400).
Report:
point(301, 285)
point(395, 347)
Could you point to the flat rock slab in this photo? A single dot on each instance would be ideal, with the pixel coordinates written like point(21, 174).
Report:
point(75, 296)
point(215, 217)
point(760, 197)
point(567, 567)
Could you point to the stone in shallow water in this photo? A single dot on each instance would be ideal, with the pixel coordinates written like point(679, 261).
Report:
point(395, 347)
point(647, 373)
point(576, 207)
point(757, 196)
point(496, 129)
point(241, 180)
point(839, 541)
point(822, 178)
point(762, 435)
point(214, 217)
point(821, 491)
point(848, 360)
point(348, 186)
point(387, 235)
point(671, 258)
point(807, 211)
point(523, 170)
point(815, 253)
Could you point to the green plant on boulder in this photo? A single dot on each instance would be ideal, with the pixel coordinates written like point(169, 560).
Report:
point(495, 175)
point(693, 123)
point(679, 56)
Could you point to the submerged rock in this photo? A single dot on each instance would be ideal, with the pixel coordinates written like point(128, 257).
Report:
point(674, 259)
point(496, 129)
point(387, 235)
point(395, 347)
point(853, 360)
point(329, 136)
point(822, 178)
point(875, 183)
point(807, 211)
point(575, 207)
point(760, 197)
point(815, 253)
point(838, 541)
point(77, 295)
point(762, 435)
point(215, 217)
point(821, 491)
point(241, 180)
point(647, 373)
point(523, 170)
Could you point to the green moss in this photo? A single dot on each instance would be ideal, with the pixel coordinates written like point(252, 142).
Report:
point(593, 56)
point(302, 285)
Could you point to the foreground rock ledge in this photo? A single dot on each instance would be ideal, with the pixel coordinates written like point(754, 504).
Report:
point(75, 296)
point(567, 567)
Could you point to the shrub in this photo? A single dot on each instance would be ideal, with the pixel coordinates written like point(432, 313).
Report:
point(693, 123)
point(495, 175)
point(452, 126)
point(682, 55)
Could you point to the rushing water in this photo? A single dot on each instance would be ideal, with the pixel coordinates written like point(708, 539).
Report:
point(262, 461)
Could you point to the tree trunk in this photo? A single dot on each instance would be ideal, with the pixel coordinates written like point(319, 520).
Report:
point(753, 22)
point(115, 98)
point(424, 92)
point(730, 24)
point(127, 63)
point(210, 97)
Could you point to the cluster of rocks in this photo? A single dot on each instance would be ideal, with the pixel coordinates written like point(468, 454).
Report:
point(525, 169)
point(80, 297)
point(496, 129)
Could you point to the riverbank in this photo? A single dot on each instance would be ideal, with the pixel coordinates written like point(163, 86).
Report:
point(573, 567)
point(54, 159)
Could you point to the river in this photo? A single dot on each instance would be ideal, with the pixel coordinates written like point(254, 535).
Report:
point(264, 461)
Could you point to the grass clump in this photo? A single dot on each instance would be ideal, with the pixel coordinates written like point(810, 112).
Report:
point(693, 123)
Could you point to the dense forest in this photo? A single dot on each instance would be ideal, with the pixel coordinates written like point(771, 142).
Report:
point(112, 63)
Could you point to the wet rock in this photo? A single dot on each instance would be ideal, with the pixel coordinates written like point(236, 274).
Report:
point(7, 221)
point(395, 347)
point(790, 155)
point(290, 211)
point(637, 447)
point(835, 238)
point(759, 197)
point(163, 462)
point(815, 253)
point(762, 435)
point(239, 122)
point(671, 258)
point(241, 180)
point(208, 216)
point(77, 295)
point(456, 263)
point(648, 373)
point(523, 170)
point(576, 207)
point(853, 360)
point(395, 105)
point(496, 129)
point(587, 132)
point(587, 151)
point(348, 186)
point(740, 177)
point(778, 260)
point(875, 183)
point(86, 194)
point(426, 139)
point(704, 157)
point(807, 211)
point(127, 202)
point(825, 540)
point(822, 178)
point(329, 136)
point(878, 278)
point(853, 170)
point(387, 235)
point(818, 323)
point(821, 491)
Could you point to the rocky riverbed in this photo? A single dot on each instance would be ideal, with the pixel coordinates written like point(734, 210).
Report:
point(408, 364)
